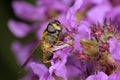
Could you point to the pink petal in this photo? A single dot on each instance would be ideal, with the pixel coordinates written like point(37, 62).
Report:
point(19, 29)
point(97, 1)
point(59, 67)
point(41, 71)
point(98, 13)
point(98, 76)
point(115, 76)
point(38, 69)
point(83, 29)
point(27, 11)
point(115, 49)
point(71, 12)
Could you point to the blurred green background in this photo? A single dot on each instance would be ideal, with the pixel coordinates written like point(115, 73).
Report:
point(8, 64)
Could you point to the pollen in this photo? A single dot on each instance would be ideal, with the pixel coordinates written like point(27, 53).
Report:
point(97, 49)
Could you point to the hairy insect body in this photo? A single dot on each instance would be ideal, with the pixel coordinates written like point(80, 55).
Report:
point(47, 42)
point(49, 38)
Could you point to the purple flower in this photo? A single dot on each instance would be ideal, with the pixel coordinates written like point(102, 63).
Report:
point(114, 15)
point(115, 76)
point(103, 76)
point(83, 27)
point(101, 11)
point(97, 1)
point(114, 49)
point(86, 52)
point(41, 71)
point(98, 76)
point(19, 29)
point(71, 15)
point(58, 63)
point(38, 14)
point(27, 11)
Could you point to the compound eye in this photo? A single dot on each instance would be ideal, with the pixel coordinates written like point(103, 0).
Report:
point(49, 56)
point(51, 29)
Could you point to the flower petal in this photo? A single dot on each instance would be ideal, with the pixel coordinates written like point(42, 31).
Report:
point(99, 76)
point(100, 10)
point(58, 6)
point(97, 1)
point(114, 14)
point(77, 43)
point(71, 17)
point(58, 66)
point(19, 29)
point(74, 68)
point(115, 76)
point(115, 49)
point(83, 29)
point(38, 69)
point(41, 71)
point(27, 11)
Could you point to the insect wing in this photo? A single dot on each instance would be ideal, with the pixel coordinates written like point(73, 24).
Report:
point(29, 58)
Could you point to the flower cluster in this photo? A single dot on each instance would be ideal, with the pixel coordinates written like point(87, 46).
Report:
point(93, 39)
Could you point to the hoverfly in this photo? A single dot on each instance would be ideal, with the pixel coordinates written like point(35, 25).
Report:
point(49, 38)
